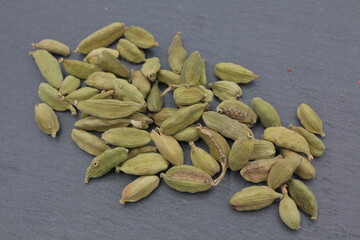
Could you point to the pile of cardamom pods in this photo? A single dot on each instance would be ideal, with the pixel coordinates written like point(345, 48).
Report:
point(122, 104)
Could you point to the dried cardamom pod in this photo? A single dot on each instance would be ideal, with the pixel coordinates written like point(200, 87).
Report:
point(101, 125)
point(144, 164)
point(282, 171)
point(108, 108)
point(49, 67)
point(140, 37)
point(288, 211)
point(168, 77)
point(254, 198)
point(107, 62)
point(185, 96)
point(89, 142)
point(162, 115)
point(126, 137)
point(226, 126)
point(137, 116)
point(305, 170)
point(186, 178)
point(103, 163)
point(182, 118)
point(155, 101)
point(168, 147)
point(237, 110)
point(203, 160)
point(139, 188)
point(262, 149)
point(79, 69)
point(309, 119)
point(209, 95)
point(203, 79)
point(52, 46)
point(188, 134)
point(140, 82)
point(101, 38)
point(234, 72)
point(286, 138)
point(130, 52)
point(94, 54)
point(303, 197)
point(102, 95)
point(192, 69)
point(226, 90)
point(69, 85)
point(101, 80)
point(151, 67)
point(46, 119)
point(49, 95)
point(240, 152)
point(139, 150)
point(177, 54)
point(266, 112)
point(127, 92)
point(83, 93)
point(316, 146)
point(258, 171)
point(215, 141)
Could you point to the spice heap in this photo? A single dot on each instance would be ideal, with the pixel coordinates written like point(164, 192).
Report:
point(116, 101)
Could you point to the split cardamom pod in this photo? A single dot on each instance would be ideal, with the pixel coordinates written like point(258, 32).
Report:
point(237, 110)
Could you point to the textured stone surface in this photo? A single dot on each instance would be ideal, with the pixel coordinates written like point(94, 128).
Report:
point(42, 193)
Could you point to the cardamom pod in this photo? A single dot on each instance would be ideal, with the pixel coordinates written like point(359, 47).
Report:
point(139, 150)
point(177, 54)
point(282, 171)
point(303, 197)
point(103, 163)
point(316, 146)
point(126, 137)
point(101, 80)
point(240, 152)
point(140, 37)
point(258, 171)
point(69, 85)
point(310, 120)
point(266, 113)
point(130, 52)
point(83, 93)
point(139, 189)
point(288, 211)
point(140, 82)
point(254, 198)
point(102, 95)
point(209, 95)
point(203, 160)
point(144, 164)
point(237, 110)
point(234, 72)
point(188, 134)
point(107, 62)
point(182, 118)
point(185, 96)
point(151, 67)
point(262, 149)
point(168, 77)
point(162, 115)
point(46, 119)
point(101, 125)
point(49, 95)
point(101, 38)
point(127, 92)
point(226, 90)
point(94, 54)
point(79, 69)
point(49, 67)
point(286, 138)
point(186, 178)
point(52, 46)
point(305, 170)
point(155, 101)
point(203, 79)
point(168, 147)
point(192, 69)
point(89, 142)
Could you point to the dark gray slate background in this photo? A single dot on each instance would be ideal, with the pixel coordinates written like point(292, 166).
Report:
point(42, 193)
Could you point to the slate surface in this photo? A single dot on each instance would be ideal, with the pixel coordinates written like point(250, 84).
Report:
point(42, 194)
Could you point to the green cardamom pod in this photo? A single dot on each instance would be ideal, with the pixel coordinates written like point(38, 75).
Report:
point(103, 163)
point(168, 147)
point(266, 113)
point(89, 142)
point(101, 38)
point(49, 67)
point(258, 171)
point(130, 52)
point(209, 95)
point(310, 120)
point(262, 149)
point(46, 119)
point(140, 37)
point(107, 62)
point(102, 95)
point(101, 125)
point(237, 110)
point(185, 96)
point(127, 92)
point(94, 54)
point(282, 171)
point(203, 79)
point(316, 146)
point(203, 160)
point(151, 67)
point(139, 150)
point(162, 115)
point(52, 46)
point(286, 138)
point(144, 164)
point(305, 170)
point(188, 134)
point(254, 198)
point(69, 85)
point(126, 137)
point(154, 100)
point(192, 69)
point(226, 90)
point(240, 152)
point(139, 188)
point(186, 178)
point(177, 54)
point(101, 80)
point(289, 212)
point(234, 72)
point(79, 69)
point(83, 93)
point(168, 77)
point(140, 82)
point(303, 197)
point(49, 95)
